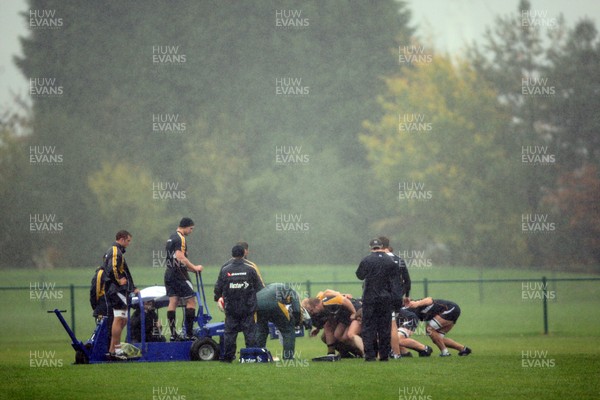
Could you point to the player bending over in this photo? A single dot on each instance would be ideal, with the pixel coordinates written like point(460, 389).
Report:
point(441, 316)
point(404, 324)
point(335, 314)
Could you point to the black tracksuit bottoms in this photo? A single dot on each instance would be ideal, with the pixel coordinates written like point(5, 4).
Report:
point(233, 325)
point(376, 329)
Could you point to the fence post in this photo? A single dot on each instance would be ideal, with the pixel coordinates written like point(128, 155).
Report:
point(72, 290)
point(425, 287)
point(480, 290)
point(308, 287)
point(545, 304)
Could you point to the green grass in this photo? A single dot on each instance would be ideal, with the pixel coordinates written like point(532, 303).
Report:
point(494, 371)
point(496, 322)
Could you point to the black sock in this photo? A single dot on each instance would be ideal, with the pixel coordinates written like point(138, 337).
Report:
point(190, 315)
point(171, 318)
point(331, 348)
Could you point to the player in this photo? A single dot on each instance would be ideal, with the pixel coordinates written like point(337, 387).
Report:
point(347, 327)
point(97, 295)
point(279, 304)
point(407, 321)
point(119, 285)
point(153, 327)
point(335, 314)
point(441, 316)
point(352, 336)
point(177, 280)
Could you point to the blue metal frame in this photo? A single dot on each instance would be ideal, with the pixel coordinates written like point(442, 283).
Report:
point(96, 348)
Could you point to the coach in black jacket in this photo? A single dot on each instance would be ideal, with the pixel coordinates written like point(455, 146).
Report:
point(238, 284)
point(381, 292)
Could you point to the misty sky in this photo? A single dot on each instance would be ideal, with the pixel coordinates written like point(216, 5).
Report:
point(449, 24)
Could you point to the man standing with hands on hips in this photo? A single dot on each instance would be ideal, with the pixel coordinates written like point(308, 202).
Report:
point(381, 293)
point(177, 279)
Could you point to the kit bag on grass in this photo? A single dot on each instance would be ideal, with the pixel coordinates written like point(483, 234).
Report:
point(255, 355)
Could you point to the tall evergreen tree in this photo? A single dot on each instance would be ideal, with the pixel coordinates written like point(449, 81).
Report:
point(212, 67)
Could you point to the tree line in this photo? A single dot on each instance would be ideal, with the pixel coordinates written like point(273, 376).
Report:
point(304, 130)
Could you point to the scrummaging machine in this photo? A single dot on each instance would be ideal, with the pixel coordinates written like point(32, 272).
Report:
point(205, 348)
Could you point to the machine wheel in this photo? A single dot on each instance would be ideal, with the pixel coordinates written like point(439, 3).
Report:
point(204, 349)
point(81, 358)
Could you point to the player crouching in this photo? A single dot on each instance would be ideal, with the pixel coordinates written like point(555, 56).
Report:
point(405, 323)
point(441, 316)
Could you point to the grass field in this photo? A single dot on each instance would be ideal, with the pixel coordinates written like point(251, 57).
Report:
point(511, 359)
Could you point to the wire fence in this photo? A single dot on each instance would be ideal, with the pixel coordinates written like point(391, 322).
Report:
point(531, 289)
point(480, 295)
